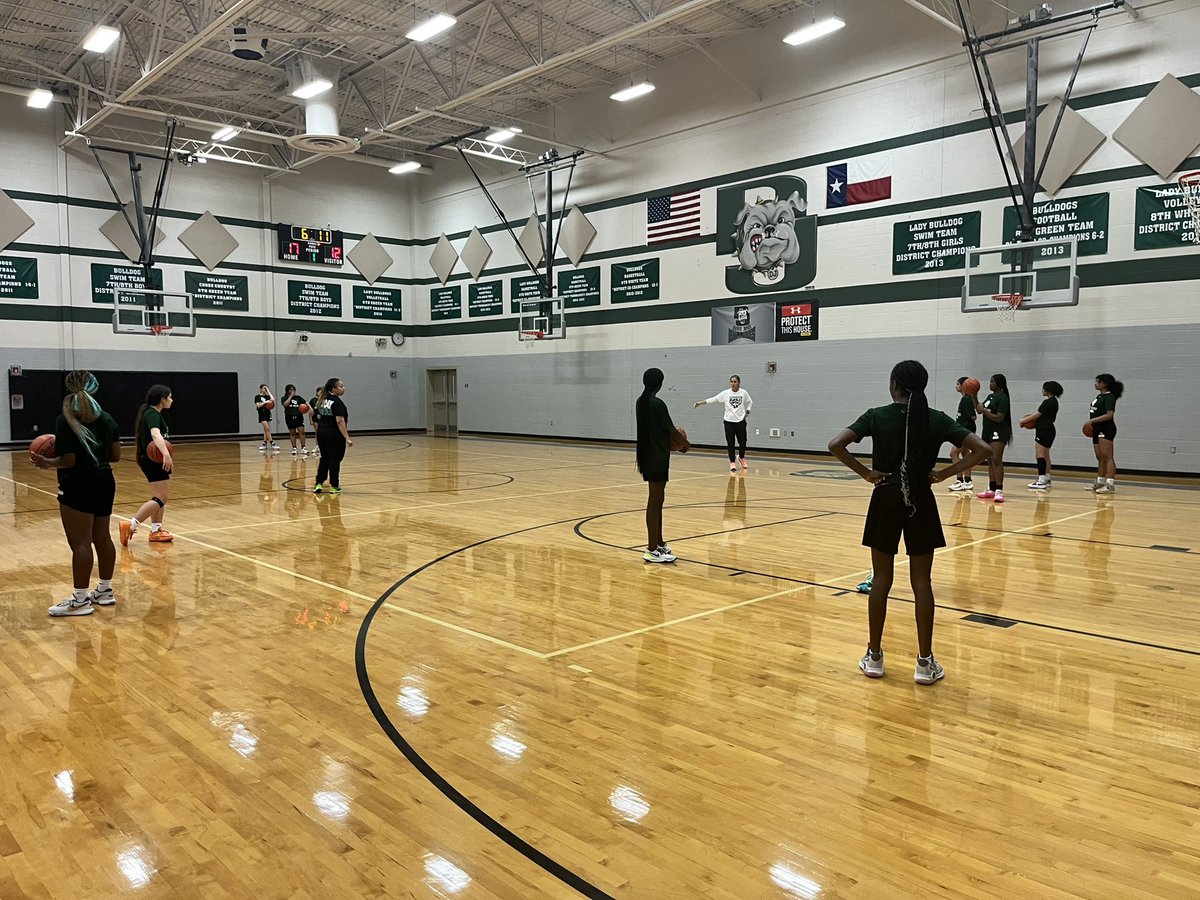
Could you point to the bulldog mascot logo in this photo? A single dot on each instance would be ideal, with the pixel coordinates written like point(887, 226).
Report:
point(763, 224)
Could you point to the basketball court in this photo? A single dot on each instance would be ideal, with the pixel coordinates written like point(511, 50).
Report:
point(459, 679)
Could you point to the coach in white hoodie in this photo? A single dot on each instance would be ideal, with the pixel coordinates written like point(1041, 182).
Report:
point(737, 410)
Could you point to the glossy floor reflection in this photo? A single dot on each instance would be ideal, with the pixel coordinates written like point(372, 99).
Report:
point(531, 711)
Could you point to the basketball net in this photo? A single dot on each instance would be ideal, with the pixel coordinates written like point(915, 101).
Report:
point(1189, 183)
point(1007, 306)
point(161, 331)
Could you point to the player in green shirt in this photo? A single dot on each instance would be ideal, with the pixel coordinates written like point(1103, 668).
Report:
point(906, 437)
point(86, 443)
point(149, 428)
point(655, 431)
point(1042, 422)
point(1102, 418)
point(966, 418)
point(997, 434)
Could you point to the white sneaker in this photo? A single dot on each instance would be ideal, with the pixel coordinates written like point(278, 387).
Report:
point(1106, 489)
point(70, 607)
point(665, 550)
point(262, 446)
point(928, 671)
point(1040, 485)
point(872, 666)
point(733, 468)
point(304, 452)
point(104, 597)
point(1095, 487)
point(959, 486)
point(274, 446)
point(294, 451)
point(657, 556)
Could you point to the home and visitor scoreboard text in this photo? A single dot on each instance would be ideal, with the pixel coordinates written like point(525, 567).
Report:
point(306, 243)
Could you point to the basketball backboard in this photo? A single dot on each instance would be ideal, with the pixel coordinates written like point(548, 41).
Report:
point(1043, 272)
point(153, 312)
point(542, 319)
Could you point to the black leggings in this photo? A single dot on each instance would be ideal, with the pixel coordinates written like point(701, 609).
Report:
point(736, 430)
point(333, 451)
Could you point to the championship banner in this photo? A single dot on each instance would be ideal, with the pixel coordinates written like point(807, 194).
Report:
point(748, 323)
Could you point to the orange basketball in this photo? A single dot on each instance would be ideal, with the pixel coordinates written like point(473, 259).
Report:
point(676, 444)
point(153, 452)
point(270, 404)
point(971, 386)
point(1087, 429)
point(303, 409)
point(43, 445)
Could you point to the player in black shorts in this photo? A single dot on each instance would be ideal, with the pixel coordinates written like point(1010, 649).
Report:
point(906, 436)
point(1102, 418)
point(261, 399)
point(332, 436)
point(1042, 422)
point(86, 443)
point(293, 418)
point(654, 433)
point(149, 428)
point(997, 434)
point(966, 417)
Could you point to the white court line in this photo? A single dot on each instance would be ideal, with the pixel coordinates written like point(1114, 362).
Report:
point(30, 486)
point(803, 587)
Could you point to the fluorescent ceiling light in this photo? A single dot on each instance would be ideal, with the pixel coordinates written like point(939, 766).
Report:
point(631, 93)
point(814, 31)
point(431, 28)
point(100, 38)
point(226, 133)
point(310, 89)
point(39, 98)
point(402, 167)
point(500, 135)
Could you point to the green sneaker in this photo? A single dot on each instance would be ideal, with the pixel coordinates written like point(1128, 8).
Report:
point(335, 490)
point(865, 587)
point(318, 489)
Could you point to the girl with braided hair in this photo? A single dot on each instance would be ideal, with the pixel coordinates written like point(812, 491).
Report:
point(655, 433)
point(86, 443)
point(906, 437)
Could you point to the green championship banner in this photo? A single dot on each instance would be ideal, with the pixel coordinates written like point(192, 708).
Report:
point(1083, 218)
point(521, 289)
point(579, 287)
point(925, 245)
point(485, 299)
point(376, 303)
point(107, 279)
point(445, 303)
point(1161, 219)
point(18, 278)
point(314, 298)
point(223, 292)
point(633, 281)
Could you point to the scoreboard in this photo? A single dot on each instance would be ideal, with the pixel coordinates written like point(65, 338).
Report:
point(307, 243)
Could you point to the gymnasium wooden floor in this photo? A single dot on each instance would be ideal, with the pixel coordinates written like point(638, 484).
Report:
point(457, 679)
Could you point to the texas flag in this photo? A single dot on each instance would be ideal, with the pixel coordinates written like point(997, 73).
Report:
point(862, 180)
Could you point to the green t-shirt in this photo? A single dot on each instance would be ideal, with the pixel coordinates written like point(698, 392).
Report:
point(656, 440)
point(885, 426)
point(998, 403)
point(151, 418)
point(1047, 413)
point(87, 460)
point(966, 413)
point(1103, 403)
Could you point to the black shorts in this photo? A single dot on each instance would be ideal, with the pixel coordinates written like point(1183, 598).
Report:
point(1043, 439)
point(1106, 430)
point(655, 477)
point(264, 414)
point(152, 470)
point(91, 493)
point(994, 436)
point(293, 421)
point(888, 518)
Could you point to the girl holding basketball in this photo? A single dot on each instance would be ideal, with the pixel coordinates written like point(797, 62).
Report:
point(151, 429)
point(737, 410)
point(86, 443)
point(264, 403)
point(655, 434)
point(966, 418)
point(997, 434)
point(294, 408)
point(1042, 422)
point(332, 437)
point(1102, 419)
point(906, 437)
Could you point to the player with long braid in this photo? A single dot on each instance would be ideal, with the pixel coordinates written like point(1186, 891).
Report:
point(906, 436)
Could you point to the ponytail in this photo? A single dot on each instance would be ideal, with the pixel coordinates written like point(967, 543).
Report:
point(324, 391)
point(156, 395)
point(80, 409)
point(912, 378)
point(1116, 388)
point(652, 381)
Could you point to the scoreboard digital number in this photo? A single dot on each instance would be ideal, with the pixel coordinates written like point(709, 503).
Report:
point(305, 243)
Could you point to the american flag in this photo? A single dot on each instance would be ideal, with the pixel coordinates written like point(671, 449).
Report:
point(672, 217)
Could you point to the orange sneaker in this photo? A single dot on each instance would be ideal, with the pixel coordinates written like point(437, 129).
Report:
point(126, 531)
point(162, 536)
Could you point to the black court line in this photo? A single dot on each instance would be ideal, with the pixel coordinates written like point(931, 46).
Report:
point(533, 854)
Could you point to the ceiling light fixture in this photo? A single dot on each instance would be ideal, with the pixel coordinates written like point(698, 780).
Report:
point(312, 88)
point(227, 133)
point(431, 28)
point(814, 31)
point(402, 168)
point(632, 93)
point(100, 38)
point(39, 98)
point(500, 135)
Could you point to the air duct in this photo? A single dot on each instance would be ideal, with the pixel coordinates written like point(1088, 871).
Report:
point(321, 133)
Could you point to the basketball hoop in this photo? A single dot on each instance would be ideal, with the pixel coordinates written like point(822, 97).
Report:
point(1007, 306)
point(160, 330)
point(1189, 183)
point(532, 335)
